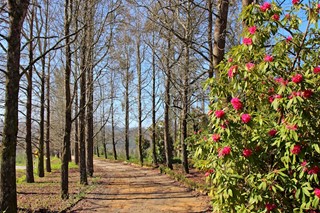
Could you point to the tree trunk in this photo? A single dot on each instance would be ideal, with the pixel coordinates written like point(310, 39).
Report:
point(90, 92)
point(83, 88)
point(185, 106)
point(67, 129)
point(153, 143)
point(112, 119)
point(48, 163)
point(185, 93)
point(29, 157)
point(220, 32)
point(127, 111)
point(139, 102)
point(167, 138)
point(8, 192)
point(76, 100)
point(42, 102)
point(245, 3)
point(210, 26)
point(104, 145)
point(97, 150)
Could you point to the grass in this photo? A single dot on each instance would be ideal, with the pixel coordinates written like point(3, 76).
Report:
point(199, 186)
point(44, 194)
point(122, 158)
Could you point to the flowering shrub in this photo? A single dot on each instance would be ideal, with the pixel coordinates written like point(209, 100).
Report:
point(264, 138)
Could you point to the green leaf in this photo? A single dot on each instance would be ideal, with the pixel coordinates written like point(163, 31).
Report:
point(305, 191)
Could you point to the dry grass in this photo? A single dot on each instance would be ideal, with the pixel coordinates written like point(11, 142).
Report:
point(44, 194)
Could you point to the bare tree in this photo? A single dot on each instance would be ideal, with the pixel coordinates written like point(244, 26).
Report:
point(8, 192)
point(83, 88)
point(90, 66)
point(29, 158)
point(68, 106)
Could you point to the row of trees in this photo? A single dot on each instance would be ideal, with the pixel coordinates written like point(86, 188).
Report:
point(71, 74)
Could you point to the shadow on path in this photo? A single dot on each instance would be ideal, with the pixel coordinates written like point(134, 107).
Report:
point(126, 188)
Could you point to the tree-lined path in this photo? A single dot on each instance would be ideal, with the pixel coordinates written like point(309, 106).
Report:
point(128, 188)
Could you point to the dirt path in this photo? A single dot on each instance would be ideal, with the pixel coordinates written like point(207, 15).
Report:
point(132, 189)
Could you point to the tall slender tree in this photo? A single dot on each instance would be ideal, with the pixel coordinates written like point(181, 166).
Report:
point(29, 74)
point(68, 106)
point(112, 97)
point(17, 11)
point(82, 113)
point(153, 138)
point(90, 43)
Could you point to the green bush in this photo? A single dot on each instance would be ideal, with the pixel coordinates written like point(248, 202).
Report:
point(263, 147)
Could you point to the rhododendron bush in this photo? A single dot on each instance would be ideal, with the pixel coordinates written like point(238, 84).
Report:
point(263, 144)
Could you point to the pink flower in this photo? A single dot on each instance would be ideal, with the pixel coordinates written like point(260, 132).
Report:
point(296, 149)
point(271, 99)
point(295, 1)
point(230, 60)
point(205, 138)
point(209, 172)
point(317, 192)
point(318, 8)
point(292, 127)
point(265, 6)
point(268, 58)
point(249, 66)
point(276, 17)
point(215, 137)
point(219, 113)
point(288, 39)
point(304, 163)
point(307, 93)
point(287, 16)
point(282, 81)
point(236, 103)
point(272, 132)
point(297, 78)
point(224, 151)
point(247, 41)
point(232, 71)
point(277, 96)
point(316, 70)
point(246, 118)
point(252, 30)
point(270, 206)
point(314, 170)
point(247, 153)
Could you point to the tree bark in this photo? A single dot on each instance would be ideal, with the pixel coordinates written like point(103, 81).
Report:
point(29, 157)
point(67, 129)
point(139, 101)
point(8, 191)
point(245, 3)
point(90, 91)
point(48, 162)
point(220, 32)
point(185, 106)
point(76, 123)
point(104, 134)
point(127, 110)
point(210, 26)
point(167, 138)
point(82, 114)
point(153, 141)
point(112, 119)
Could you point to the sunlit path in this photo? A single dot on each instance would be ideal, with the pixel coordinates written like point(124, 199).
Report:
point(125, 188)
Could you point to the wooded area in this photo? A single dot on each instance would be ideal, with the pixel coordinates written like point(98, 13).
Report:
point(120, 77)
